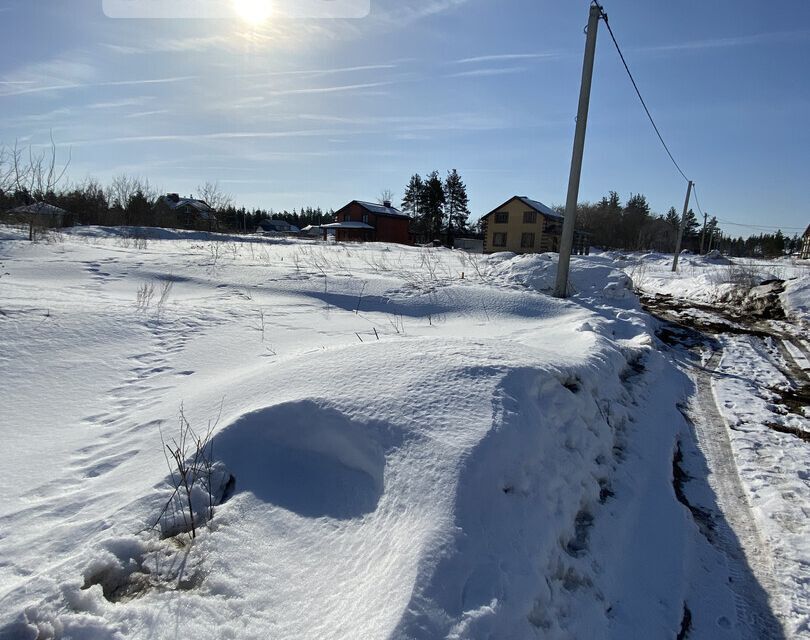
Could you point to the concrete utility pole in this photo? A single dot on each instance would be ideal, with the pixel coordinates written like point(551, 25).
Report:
point(703, 233)
point(569, 224)
point(680, 230)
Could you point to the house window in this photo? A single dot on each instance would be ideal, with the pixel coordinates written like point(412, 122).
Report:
point(365, 218)
point(502, 217)
point(527, 241)
point(347, 217)
point(498, 239)
point(529, 217)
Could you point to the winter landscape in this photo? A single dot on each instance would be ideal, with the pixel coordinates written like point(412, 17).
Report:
point(419, 442)
point(382, 320)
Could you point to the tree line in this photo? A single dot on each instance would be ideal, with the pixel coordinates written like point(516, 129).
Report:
point(633, 226)
point(126, 200)
point(439, 208)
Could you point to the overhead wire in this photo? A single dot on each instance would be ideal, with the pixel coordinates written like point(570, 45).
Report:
point(697, 201)
point(638, 92)
point(742, 224)
point(759, 226)
point(604, 17)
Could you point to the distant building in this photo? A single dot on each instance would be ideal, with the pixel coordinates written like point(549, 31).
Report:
point(362, 221)
point(185, 213)
point(273, 226)
point(522, 225)
point(805, 255)
point(40, 214)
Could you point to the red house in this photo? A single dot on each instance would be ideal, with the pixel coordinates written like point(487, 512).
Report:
point(369, 222)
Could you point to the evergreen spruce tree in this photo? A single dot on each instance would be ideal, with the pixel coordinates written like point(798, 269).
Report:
point(433, 205)
point(673, 219)
point(412, 200)
point(456, 205)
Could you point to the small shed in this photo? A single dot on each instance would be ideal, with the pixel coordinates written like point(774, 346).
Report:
point(40, 214)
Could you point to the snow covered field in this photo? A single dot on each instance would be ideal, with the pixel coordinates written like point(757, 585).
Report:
point(424, 445)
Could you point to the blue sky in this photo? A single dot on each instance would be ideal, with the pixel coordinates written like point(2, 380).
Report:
point(319, 112)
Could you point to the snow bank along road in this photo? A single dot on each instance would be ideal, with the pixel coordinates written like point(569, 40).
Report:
point(751, 416)
point(399, 451)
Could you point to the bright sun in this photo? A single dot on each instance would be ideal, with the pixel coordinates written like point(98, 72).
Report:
point(254, 12)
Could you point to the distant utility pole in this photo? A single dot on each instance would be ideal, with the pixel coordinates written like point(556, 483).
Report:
point(703, 233)
point(569, 224)
point(680, 229)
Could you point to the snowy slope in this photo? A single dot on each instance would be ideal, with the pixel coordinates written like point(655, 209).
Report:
point(416, 454)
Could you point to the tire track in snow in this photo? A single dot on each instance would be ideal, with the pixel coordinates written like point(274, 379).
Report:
point(737, 534)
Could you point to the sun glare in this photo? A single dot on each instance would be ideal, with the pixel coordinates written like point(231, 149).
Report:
point(253, 12)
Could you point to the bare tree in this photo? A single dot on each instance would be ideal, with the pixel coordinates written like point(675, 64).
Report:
point(6, 169)
point(214, 196)
point(123, 187)
point(34, 173)
point(386, 195)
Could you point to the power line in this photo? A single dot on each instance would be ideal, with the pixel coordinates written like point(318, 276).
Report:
point(759, 226)
point(697, 202)
point(638, 93)
point(661, 138)
point(741, 224)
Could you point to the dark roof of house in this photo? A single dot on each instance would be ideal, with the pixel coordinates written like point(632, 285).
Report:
point(40, 208)
point(534, 204)
point(807, 231)
point(199, 205)
point(380, 209)
point(201, 208)
point(278, 225)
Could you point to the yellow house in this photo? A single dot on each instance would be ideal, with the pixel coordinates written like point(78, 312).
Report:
point(522, 225)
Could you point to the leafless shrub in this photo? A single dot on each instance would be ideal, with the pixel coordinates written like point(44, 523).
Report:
point(132, 238)
point(743, 275)
point(398, 323)
point(139, 241)
point(471, 262)
point(198, 486)
point(214, 252)
point(165, 292)
point(144, 295)
point(360, 297)
point(637, 273)
point(377, 262)
point(259, 324)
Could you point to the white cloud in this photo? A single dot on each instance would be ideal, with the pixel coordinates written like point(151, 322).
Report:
point(733, 41)
point(497, 71)
point(506, 57)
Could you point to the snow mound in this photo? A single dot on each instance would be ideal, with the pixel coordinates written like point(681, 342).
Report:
point(591, 277)
point(796, 298)
point(715, 257)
